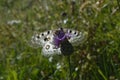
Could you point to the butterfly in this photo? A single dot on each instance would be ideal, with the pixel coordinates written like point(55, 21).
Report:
point(58, 41)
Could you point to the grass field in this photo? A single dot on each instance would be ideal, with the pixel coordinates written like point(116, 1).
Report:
point(98, 58)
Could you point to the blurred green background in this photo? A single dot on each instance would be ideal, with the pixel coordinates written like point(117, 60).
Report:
point(98, 58)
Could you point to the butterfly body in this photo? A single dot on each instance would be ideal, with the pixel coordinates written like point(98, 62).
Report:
point(59, 41)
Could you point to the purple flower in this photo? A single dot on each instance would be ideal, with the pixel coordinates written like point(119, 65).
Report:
point(60, 40)
point(59, 37)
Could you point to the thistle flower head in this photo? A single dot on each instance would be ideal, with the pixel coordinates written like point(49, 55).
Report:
point(59, 37)
point(60, 40)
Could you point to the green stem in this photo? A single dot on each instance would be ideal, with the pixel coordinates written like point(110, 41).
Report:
point(70, 71)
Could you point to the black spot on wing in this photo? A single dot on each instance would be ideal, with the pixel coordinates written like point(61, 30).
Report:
point(75, 32)
point(42, 34)
point(48, 32)
point(70, 31)
point(38, 36)
point(45, 39)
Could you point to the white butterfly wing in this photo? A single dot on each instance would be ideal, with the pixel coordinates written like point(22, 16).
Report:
point(75, 37)
point(40, 39)
point(49, 49)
